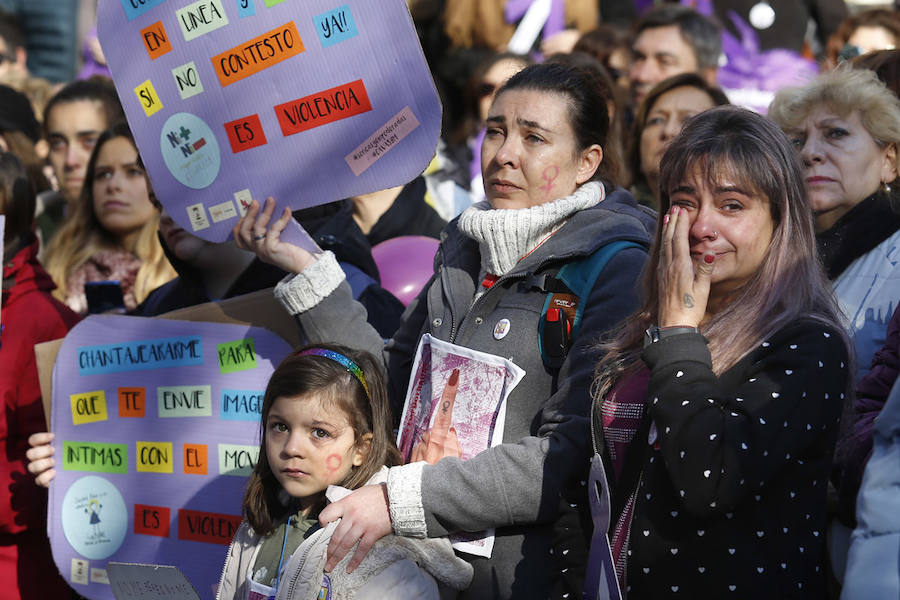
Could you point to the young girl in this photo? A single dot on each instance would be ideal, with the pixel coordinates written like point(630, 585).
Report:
point(325, 421)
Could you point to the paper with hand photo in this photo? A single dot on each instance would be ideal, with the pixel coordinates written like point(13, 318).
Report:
point(456, 406)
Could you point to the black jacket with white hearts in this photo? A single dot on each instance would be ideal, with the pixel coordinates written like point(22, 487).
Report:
point(732, 497)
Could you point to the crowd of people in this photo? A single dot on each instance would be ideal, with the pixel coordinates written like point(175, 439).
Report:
point(714, 413)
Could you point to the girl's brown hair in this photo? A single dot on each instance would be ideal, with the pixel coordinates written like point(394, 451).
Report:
point(331, 382)
point(788, 285)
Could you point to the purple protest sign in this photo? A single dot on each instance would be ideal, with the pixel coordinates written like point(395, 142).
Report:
point(233, 100)
point(156, 427)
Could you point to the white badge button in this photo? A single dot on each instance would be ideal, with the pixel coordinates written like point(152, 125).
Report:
point(501, 329)
point(762, 15)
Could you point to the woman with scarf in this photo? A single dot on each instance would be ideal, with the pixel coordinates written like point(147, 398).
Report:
point(549, 203)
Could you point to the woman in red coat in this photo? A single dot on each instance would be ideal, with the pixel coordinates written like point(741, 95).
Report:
point(29, 316)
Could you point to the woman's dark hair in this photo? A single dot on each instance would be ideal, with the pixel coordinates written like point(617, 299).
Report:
point(473, 92)
point(885, 64)
point(587, 113)
point(330, 382)
point(16, 200)
point(601, 43)
point(640, 120)
point(612, 150)
point(100, 89)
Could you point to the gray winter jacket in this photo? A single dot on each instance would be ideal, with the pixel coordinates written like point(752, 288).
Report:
point(530, 484)
point(395, 567)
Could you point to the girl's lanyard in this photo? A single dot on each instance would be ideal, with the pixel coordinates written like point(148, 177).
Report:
point(260, 591)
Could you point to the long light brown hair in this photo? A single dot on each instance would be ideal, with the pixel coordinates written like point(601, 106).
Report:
point(301, 374)
point(789, 283)
point(82, 236)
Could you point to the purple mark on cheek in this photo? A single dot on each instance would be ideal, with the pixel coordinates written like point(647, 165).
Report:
point(549, 175)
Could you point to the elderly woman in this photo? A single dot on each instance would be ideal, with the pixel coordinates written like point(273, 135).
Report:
point(734, 370)
point(659, 119)
point(548, 204)
point(846, 126)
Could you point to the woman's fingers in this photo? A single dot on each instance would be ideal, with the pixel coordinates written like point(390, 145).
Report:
point(364, 518)
point(260, 228)
point(243, 231)
point(40, 458)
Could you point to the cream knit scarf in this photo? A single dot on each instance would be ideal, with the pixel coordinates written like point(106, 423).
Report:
point(504, 236)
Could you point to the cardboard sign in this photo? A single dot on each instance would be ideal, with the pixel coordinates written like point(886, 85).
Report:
point(305, 101)
point(157, 425)
point(144, 582)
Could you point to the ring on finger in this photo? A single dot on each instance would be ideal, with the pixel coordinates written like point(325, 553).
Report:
point(259, 237)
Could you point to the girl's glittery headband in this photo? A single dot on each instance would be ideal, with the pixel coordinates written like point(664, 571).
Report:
point(340, 359)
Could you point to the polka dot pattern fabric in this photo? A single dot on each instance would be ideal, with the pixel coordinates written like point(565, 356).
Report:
point(732, 499)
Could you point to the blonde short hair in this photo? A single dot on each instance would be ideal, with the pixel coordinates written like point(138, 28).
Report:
point(842, 91)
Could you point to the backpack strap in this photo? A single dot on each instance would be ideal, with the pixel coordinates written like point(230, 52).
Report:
point(556, 329)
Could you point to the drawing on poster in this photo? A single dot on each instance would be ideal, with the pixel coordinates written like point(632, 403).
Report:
point(235, 100)
point(156, 427)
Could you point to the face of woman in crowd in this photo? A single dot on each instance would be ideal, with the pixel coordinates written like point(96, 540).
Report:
point(492, 81)
point(728, 220)
point(664, 121)
point(869, 38)
point(529, 155)
point(121, 200)
point(185, 246)
point(844, 165)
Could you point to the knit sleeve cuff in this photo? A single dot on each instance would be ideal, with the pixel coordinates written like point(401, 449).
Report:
point(404, 486)
point(302, 291)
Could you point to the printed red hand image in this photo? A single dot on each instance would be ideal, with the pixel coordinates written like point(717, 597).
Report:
point(440, 440)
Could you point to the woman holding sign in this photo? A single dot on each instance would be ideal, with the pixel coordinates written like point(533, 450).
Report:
point(550, 203)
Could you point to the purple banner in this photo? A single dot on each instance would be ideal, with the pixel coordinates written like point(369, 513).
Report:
point(152, 461)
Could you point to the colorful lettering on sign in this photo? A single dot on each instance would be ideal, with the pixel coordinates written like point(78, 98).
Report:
point(184, 401)
point(148, 98)
point(132, 402)
point(135, 8)
point(241, 405)
point(245, 133)
point(188, 80)
point(196, 459)
point(154, 457)
point(245, 8)
point(200, 18)
point(151, 520)
point(95, 457)
point(88, 407)
point(155, 40)
point(271, 3)
point(238, 355)
point(237, 460)
point(142, 355)
point(324, 107)
point(400, 126)
point(335, 26)
point(223, 211)
point(257, 54)
point(214, 528)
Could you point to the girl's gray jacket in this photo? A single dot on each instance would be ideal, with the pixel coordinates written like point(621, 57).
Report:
point(528, 486)
point(395, 567)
